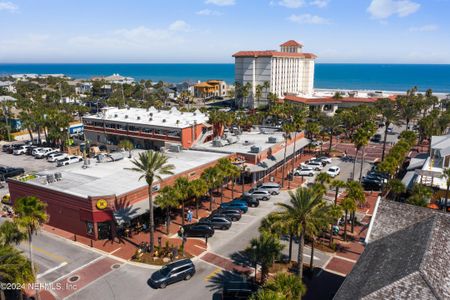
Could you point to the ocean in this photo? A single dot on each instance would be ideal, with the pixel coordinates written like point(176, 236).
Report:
point(388, 77)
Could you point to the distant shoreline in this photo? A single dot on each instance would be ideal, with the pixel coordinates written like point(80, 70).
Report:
point(347, 76)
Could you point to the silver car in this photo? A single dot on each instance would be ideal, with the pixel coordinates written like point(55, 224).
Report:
point(258, 194)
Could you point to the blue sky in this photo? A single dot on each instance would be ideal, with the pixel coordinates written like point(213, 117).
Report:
point(371, 31)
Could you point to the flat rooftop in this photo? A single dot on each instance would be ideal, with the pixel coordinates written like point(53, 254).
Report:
point(112, 178)
point(172, 118)
point(243, 142)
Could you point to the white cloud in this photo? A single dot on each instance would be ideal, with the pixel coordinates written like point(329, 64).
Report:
point(292, 3)
point(8, 6)
point(424, 28)
point(180, 25)
point(308, 19)
point(382, 9)
point(320, 3)
point(221, 2)
point(208, 12)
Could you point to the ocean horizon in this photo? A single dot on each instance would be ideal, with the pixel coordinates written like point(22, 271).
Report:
point(355, 76)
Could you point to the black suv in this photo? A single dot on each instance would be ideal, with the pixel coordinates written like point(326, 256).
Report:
point(233, 214)
point(197, 230)
point(7, 172)
point(238, 290)
point(216, 222)
point(173, 272)
point(251, 201)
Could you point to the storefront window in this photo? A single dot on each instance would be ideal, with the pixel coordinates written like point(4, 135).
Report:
point(90, 228)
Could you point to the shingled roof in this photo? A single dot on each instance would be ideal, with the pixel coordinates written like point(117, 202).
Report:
point(407, 257)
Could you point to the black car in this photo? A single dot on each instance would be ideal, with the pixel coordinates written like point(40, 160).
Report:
point(238, 290)
point(251, 201)
point(216, 222)
point(7, 172)
point(371, 184)
point(6, 147)
point(233, 214)
point(173, 272)
point(30, 149)
point(376, 138)
point(11, 149)
point(197, 230)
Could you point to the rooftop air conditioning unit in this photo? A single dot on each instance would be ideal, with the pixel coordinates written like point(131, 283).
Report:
point(194, 113)
point(164, 120)
point(151, 114)
point(138, 117)
point(217, 143)
point(50, 178)
point(272, 140)
point(175, 148)
point(126, 116)
point(115, 115)
point(58, 176)
point(150, 119)
point(255, 149)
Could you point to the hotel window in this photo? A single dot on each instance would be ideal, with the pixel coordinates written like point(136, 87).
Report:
point(89, 228)
point(147, 130)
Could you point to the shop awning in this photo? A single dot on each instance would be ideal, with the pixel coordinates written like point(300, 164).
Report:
point(279, 156)
point(126, 214)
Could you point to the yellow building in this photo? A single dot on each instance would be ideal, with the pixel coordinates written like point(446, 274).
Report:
point(210, 88)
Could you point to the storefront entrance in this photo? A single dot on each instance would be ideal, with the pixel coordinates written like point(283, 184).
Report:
point(104, 230)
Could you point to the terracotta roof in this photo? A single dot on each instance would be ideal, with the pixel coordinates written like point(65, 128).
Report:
point(273, 53)
point(203, 84)
point(291, 43)
point(329, 100)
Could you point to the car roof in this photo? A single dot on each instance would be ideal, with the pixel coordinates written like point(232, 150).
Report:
point(180, 262)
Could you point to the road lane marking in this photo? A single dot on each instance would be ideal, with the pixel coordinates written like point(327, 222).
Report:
point(52, 269)
point(212, 274)
point(49, 254)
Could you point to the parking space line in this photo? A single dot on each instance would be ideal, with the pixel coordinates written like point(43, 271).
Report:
point(212, 274)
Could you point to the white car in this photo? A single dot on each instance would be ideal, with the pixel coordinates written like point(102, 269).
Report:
point(42, 152)
point(69, 160)
point(56, 156)
point(316, 165)
point(334, 171)
point(36, 150)
point(21, 150)
point(325, 159)
point(258, 194)
point(305, 171)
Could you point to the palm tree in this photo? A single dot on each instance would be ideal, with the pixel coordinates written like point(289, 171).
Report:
point(14, 268)
point(197, 188)
point(212, 178)
point(420, 195)
point(182, 186)
point(307, 209)
point(32, 214)
point(348, 205)
point(258, 93)
point(323, 178)
point(169, 197)
point(263, 294)
point(275, 223)
point(390, 115)
point(288, 128)
point(152, 165)
point(397, 187)
point(355, 191)
point(263, 251)
point(359, 139)
point(288, 285)
point(332, 126)
point(127, 145)
point(224, 165)
point(370, 130)
point(272, 98)
point(447, 177)
point(10, 234)
point(337, 184)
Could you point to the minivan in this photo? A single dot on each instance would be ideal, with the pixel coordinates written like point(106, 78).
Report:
point(173, 272)
point(272, 187)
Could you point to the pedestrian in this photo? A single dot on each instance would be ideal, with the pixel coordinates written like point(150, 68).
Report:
point(189, 215)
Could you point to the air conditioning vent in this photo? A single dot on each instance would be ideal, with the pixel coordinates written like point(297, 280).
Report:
point(115, 115)
point(150, 119)
point(138, 117)
point(164, 120)
point(126, 116)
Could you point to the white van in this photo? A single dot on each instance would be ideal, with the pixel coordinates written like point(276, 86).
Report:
point(272, 187)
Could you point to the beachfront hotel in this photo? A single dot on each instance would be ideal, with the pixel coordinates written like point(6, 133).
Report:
point(288, 71)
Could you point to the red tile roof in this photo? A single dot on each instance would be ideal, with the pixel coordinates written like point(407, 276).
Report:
point(329, 100)
point(273, 53)
point(291, 43)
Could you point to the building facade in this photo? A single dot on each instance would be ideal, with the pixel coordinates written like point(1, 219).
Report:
point(148, 129)
point(210, 88)
point(289, 70)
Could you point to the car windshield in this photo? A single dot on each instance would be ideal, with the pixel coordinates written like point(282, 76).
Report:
point(165, 271)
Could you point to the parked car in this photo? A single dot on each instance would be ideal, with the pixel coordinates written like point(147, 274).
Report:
point(173, 272)
point(258, 194)
point(11, 149)
point(69, 160)
point(36, 150)
point(251, 201)
point(7, 172)
point(334, 171)
point(43, 153)
point(272, 187)
point(216, 222)
point(21, 150)
point(241, 205)
point(56, 156)
point(316, 165)
point(390, 130)
point(197, 230)
point(240, 290)
point(30, 149)
point(316, 143)
point(304, 171)
point(371, 184)
point(374, 176)
point(376, 138)
point(6, 147)
point(324, 159)
point(233, 214)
